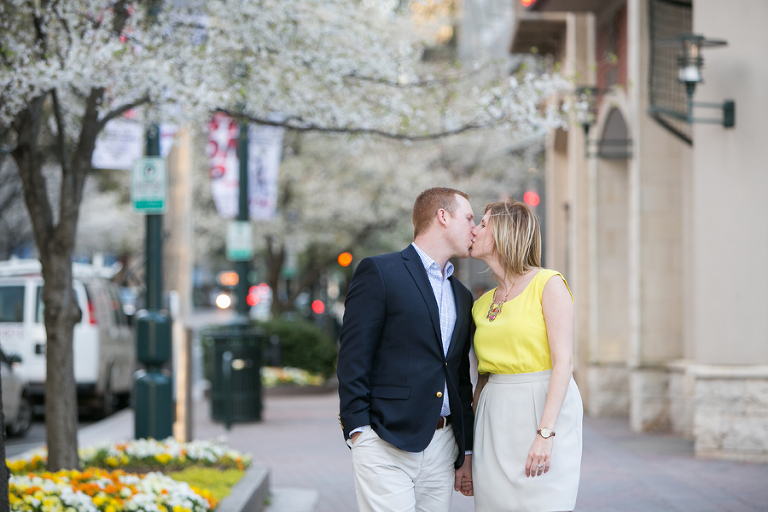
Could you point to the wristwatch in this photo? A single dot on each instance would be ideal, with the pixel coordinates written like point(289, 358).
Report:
point(546, 433)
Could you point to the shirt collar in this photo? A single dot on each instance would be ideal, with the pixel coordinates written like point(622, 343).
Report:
point(430, 264)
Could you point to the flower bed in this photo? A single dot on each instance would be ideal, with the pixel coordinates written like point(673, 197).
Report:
point(272, 376)
point(145, 455)
point(96, 490)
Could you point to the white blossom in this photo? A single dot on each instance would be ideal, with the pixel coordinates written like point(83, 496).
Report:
point(323, 63)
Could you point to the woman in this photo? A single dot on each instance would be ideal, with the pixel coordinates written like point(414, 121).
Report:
point(527, 449)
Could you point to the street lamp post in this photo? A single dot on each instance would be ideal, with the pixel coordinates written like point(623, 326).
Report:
point(153, 391)
point(242, 266)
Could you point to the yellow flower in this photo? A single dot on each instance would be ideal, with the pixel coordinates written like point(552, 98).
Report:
point(99, 500)
point(110, 508)
point(112, 461)
point(163, 458)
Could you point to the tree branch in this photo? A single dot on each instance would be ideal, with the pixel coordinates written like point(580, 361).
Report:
point(298, 124)
point(61, 144)
point(420, 83)
point(73, 176)
point(29, 162)
point(65, 26)
point(120, 111)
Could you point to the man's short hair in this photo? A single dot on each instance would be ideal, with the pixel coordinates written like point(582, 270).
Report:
point(429, 202)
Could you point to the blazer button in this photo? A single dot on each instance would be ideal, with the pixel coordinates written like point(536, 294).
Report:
point(439, 394)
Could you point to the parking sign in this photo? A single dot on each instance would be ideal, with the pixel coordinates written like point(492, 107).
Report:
point(239, 241)
point(149, 185)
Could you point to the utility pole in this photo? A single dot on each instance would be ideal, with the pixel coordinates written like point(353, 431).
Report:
point(243, 216)
point(153, 392)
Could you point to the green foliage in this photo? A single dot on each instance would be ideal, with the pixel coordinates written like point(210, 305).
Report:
point(303, 345)
point(218, 482)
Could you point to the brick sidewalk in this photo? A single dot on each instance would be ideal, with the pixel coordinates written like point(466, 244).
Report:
point(299, 439)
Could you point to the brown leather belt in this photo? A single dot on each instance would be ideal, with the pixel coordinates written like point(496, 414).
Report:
point(443, 422)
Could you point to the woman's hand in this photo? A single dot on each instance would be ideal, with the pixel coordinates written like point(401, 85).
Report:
point(539, 457)
point(467, 489)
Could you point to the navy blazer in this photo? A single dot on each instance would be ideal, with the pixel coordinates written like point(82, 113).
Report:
point(391, 368)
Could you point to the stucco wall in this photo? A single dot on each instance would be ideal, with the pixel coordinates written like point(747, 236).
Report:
point(730, 183)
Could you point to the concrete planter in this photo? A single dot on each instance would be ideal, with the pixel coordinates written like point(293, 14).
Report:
point(249, 494)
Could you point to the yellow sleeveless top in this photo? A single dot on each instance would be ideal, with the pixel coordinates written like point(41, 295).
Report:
point(516, 341)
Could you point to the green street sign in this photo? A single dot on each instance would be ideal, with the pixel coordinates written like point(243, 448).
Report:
point(239, 241)
point(149, 185)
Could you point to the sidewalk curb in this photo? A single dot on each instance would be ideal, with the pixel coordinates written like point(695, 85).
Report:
point(293, 499)
point(249, 494)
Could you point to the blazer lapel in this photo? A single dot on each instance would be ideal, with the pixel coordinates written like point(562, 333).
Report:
point(419, 274)
point(457, 298)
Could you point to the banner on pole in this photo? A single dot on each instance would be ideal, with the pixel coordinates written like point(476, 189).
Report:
point(119, 145)
point(223, 164)
point(265, 145)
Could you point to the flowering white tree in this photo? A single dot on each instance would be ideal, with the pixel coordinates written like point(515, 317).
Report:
point(68, 67)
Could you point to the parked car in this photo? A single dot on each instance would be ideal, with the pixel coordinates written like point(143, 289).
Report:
point(17, 407)
point(104, 348)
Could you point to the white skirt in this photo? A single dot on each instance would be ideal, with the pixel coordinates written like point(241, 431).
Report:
point(508, 415)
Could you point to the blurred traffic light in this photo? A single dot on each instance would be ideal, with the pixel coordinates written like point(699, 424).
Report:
point(257, 293)
point(531, 198)
point(228, 278)
point(345, 259)
point(253, 296)
point(318, 307)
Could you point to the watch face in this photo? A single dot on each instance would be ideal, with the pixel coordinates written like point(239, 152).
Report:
point(545, 432)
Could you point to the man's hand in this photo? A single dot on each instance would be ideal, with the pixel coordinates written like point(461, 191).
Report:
point(354, 436)
point(463, 481)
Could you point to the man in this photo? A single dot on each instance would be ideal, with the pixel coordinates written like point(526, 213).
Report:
point(404, 384)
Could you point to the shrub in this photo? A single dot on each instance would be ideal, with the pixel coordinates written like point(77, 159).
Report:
point(218, 482)
point(302, 345)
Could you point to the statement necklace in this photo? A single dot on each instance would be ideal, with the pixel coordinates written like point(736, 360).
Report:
point(495, 309)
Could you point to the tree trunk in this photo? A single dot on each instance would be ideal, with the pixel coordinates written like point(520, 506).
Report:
point(55, 242)
point(5, 504)
point(61, 315)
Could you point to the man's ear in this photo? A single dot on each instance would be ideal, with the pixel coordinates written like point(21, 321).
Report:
point(442, 217)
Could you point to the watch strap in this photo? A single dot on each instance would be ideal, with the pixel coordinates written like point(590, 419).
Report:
point(551, 433)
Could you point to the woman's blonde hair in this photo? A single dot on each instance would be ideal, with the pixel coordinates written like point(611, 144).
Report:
point(516, 236)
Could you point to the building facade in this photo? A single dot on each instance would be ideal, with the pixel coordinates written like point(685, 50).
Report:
point(660, 224)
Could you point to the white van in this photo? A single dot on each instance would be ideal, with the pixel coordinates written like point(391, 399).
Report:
point(104, 348)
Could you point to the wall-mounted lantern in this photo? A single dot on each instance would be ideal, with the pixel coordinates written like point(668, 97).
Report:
point(590, 96)
point(609, 145)
point(690, 63)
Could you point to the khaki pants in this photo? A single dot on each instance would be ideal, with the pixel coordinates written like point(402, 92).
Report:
point(388, 479)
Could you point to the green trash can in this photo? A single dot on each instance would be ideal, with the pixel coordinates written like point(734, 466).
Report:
point(235, 374)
